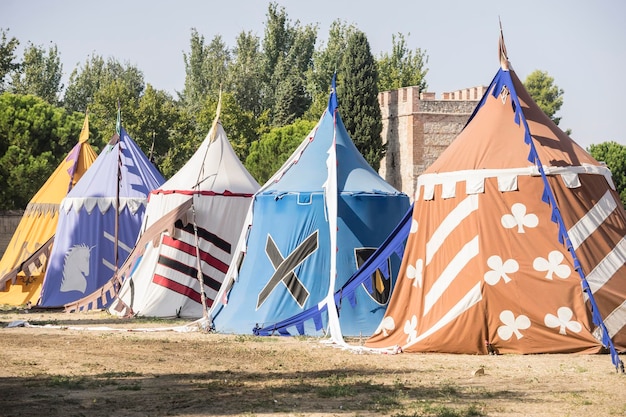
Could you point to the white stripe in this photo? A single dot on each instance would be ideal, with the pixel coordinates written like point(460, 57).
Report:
point(184, 280)
point(469, 300)
point(190, 261)
point(119, 242)
point(476, 175)
point(607, 267)
point(456, 265)
point(447, 226)
point(615, 321)
point(108, 264)
point(205, 245)
point(594, 218)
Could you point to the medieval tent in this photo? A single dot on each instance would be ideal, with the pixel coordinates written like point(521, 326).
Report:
point(24, 262)
point(99, 221)
point(518, 241)
point(310, 226)
point(210, 195)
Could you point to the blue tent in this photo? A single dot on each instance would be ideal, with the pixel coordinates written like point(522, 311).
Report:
point(310, 227)
point(84, 254)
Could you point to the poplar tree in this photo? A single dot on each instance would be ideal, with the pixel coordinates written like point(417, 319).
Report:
point(39, 73)
point(7, 57)
point(358, 99)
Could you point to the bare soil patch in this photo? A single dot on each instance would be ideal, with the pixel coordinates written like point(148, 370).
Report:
point(63, 371)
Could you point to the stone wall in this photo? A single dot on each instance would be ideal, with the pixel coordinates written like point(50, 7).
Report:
point(8, 223)
point(417, 128)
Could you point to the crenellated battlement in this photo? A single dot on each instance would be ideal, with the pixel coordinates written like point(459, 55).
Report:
point(418, 127)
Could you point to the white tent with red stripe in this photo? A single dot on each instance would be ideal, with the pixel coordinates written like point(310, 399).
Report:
point(191, 224)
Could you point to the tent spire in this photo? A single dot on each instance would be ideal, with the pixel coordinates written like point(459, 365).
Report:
point(504, 58)
point(217, 117)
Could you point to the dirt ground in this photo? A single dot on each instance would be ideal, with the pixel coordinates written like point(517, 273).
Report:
point(78, 367)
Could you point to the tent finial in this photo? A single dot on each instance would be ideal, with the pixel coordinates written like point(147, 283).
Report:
point(504, 58)
point(218, 110)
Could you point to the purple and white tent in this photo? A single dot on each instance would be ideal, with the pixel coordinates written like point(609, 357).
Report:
point(91, 239)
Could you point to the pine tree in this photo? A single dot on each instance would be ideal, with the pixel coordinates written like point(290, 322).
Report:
point(358, 99)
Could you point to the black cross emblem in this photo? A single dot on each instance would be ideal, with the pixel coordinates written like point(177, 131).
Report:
point(284, 268)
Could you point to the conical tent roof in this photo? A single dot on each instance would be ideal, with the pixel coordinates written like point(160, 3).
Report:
point(517, 244)
point(216, 190)
point(311, 225)
point(83, 257)
point(23, 264)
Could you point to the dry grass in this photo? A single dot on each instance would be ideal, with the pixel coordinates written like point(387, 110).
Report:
point(56, 372)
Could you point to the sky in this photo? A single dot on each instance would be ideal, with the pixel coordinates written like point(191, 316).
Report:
point(580, 43)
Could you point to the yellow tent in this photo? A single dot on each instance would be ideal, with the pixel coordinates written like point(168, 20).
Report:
point(23, 265)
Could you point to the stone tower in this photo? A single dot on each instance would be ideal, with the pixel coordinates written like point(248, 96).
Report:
point(417, 128)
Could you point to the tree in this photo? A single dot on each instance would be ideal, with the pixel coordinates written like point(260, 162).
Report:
point(270, 152)
point(403, 67)
point(99, 86)
point(547, 95)
point(288, 53)
point(241, 126)
point(358, 99)
point(244, 73)
point(206, 69)
point(156, 116)
point(39, 74)
point(34, 137)
point(326, 61)
point(7, 57)
point(614, 155)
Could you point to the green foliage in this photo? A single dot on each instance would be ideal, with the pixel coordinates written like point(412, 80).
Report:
point(327, 60)
point(614, 156)
point(288, 52)
point(269, 153)
point(157, 114)
point(34, 137)
point(358, 99)
point(241, 126)
point(206, 69)
point(403, 67)
point(547, 95)
point(244, 73)
point(7, 57)
point(39, 73)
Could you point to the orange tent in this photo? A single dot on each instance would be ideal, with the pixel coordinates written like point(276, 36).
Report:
point(518, 242)
point(23, 264)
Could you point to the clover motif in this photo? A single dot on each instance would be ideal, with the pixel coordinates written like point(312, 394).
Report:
point(512, 325)
point(519, 218)
point(500, 269)
point(415, 272)
point(410, 328)
point(552, 265)
point(386, 326)
point(563, 320)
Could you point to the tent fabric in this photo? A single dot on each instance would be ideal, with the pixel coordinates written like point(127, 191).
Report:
point(284, 261)
point(24, 262)
point(511, 224)
point(208, 198)
point(375, 268)
point(83, 258)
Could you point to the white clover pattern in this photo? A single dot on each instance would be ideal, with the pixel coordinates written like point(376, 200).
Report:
point(500, 269)
point(414, 225)
point(552, 265)
point(386, 326)
point(410, 328)
point(512, 325)
point(563, 320)
point(519, 218)
point(414, 272)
